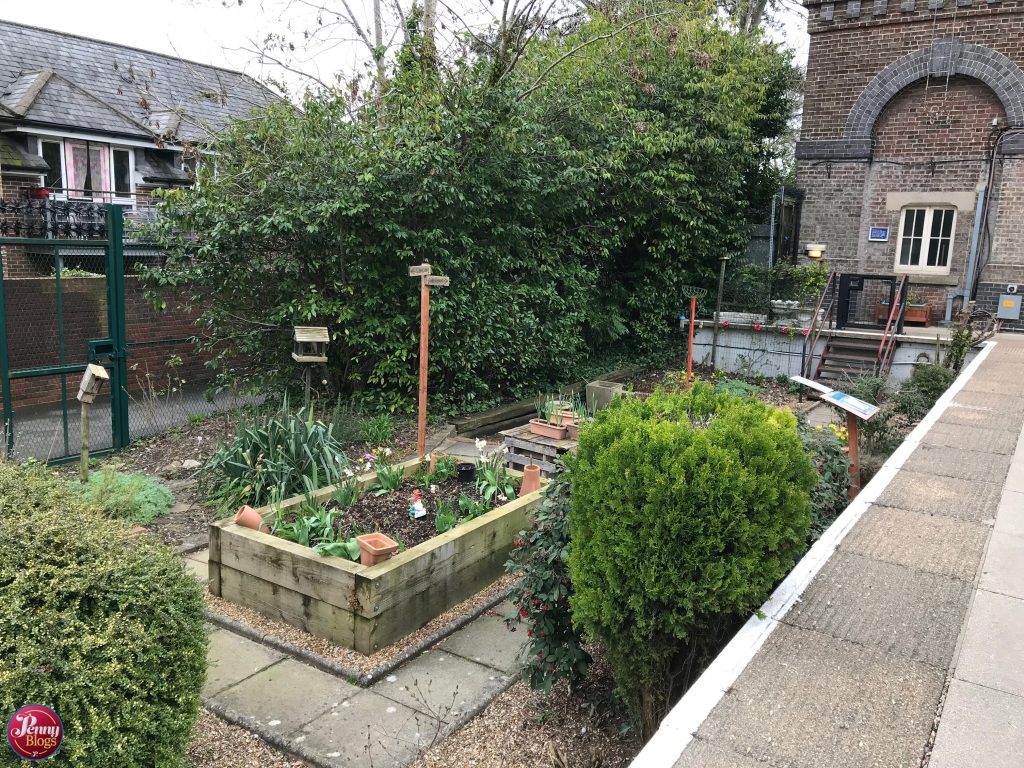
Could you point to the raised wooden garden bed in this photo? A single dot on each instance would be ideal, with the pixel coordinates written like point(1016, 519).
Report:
point(362, 607)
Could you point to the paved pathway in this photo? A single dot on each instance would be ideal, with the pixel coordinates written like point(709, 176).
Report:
point(925, 591)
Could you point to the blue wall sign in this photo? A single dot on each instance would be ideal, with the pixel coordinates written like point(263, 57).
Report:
point(878, 234)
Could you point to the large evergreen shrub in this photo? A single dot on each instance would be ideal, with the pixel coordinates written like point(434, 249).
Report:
point(685, 507)
point(103, 627)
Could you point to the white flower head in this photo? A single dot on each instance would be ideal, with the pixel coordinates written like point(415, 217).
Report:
point(426, 457)
point(481, 445)
point(433, 489)
point(387, 451)
point(348, 472)
point(502, 497)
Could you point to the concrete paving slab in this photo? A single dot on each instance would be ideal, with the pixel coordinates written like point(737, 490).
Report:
point(974, 416)
point(199, 556)
point(200, 570)
point(814, 701)
point(933, 543)
point(368, 731)
point(440, 684)
point(896, 609)
point(486, 640)
point(979, 727)
point(994, 644)
point(1003, 570)
point(953, 462)
point(286, 696)
point(704, 754)
point(971, 438)
point(1015, 478)
point(1010, 513)
point(935, 494)
point(232, 658)
point(1009, 404)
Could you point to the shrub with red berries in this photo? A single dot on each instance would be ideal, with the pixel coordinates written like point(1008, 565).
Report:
point(542, 598)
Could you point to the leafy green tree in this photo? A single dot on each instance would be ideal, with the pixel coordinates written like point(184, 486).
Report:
point(568, 199)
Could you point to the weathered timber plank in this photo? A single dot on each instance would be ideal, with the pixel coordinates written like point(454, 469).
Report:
point(522, 461)
point(213, 582)
point(490, 429)
point(524, 435)
point(539, 448)
point(290, 565)
point(401, 581)
point(298, 610)
point(487, 420)
point(214, 536)
point(399, 621)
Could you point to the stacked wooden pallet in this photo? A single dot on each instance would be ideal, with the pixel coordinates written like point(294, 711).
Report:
point(524, 448)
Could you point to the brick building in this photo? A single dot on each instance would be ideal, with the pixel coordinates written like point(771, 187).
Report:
point(911, 149)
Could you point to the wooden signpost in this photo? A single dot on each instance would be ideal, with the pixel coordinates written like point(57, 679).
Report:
point(423, 272)
point(855, 409)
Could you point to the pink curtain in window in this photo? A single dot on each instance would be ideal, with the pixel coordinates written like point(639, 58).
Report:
point(88, 163)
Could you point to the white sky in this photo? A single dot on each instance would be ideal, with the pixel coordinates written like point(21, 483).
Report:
point(210, 32)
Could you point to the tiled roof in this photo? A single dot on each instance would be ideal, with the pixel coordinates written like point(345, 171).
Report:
point(108, 88)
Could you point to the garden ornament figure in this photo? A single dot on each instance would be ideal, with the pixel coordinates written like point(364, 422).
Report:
point(416, 509)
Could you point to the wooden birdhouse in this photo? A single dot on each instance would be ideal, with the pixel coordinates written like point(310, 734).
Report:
point(310, 345)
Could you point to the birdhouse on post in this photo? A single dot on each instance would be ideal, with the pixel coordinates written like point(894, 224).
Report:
point(92, 382)
point(309, 344)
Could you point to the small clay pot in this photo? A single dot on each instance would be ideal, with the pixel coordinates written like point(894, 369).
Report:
point(465, 472)
point(247, 517)
point(375, 548)
point(531, 479)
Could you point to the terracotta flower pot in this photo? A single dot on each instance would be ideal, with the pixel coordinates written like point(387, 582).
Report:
point(531, 479)
point(247, 517)
point(563, 416)
point(572, 430)
point(375, 548)
point(544, 429)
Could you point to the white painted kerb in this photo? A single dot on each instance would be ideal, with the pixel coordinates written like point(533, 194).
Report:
point(677, 729)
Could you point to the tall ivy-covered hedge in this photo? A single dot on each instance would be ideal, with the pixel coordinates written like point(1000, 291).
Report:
point(685, 507)
point(103, 627)
point(567, 200)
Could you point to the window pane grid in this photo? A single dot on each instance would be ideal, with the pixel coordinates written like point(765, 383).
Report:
point(928, 231)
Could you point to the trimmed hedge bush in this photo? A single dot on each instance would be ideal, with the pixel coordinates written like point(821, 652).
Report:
point(105, 628)
point(685, 507)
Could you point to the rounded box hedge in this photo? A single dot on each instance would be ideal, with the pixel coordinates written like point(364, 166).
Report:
point(103, 627)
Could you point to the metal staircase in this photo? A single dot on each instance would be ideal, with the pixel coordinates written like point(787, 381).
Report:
point(843, 358)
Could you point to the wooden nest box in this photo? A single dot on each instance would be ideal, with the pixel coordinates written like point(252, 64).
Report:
point(310, 345)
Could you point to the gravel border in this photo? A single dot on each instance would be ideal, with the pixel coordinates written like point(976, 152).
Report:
point(351, 674)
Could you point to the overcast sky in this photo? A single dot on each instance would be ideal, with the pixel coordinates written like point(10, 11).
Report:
point(211, 32)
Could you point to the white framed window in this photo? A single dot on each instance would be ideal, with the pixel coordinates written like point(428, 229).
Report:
point(925, 243)
point(122, 166)
point(52, 151)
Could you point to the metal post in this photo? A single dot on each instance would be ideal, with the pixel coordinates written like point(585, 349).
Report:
point(718, 311)
point(115, 309)
point(689, 350)
point(5, 374)
point(421, 427)
point(307, 375)
point(853, 442)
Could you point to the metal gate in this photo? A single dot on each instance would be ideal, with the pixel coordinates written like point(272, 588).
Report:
point(61, 308)
point(865, 301)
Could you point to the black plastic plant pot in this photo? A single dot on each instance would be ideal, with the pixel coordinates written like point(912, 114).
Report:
point(465, 472)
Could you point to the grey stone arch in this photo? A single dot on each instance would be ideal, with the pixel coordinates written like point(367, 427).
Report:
point(945, 57)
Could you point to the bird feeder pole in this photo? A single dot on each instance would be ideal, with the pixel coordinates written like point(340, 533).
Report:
point(423, 272)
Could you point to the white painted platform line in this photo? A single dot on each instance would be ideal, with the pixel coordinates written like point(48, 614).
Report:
point(678, 727)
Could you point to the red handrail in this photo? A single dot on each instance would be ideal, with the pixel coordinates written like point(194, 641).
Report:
point(887, 347)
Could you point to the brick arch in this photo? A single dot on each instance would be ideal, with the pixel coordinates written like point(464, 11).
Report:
point(949, 56)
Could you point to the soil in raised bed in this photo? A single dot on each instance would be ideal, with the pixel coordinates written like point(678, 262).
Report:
point(389, 513)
